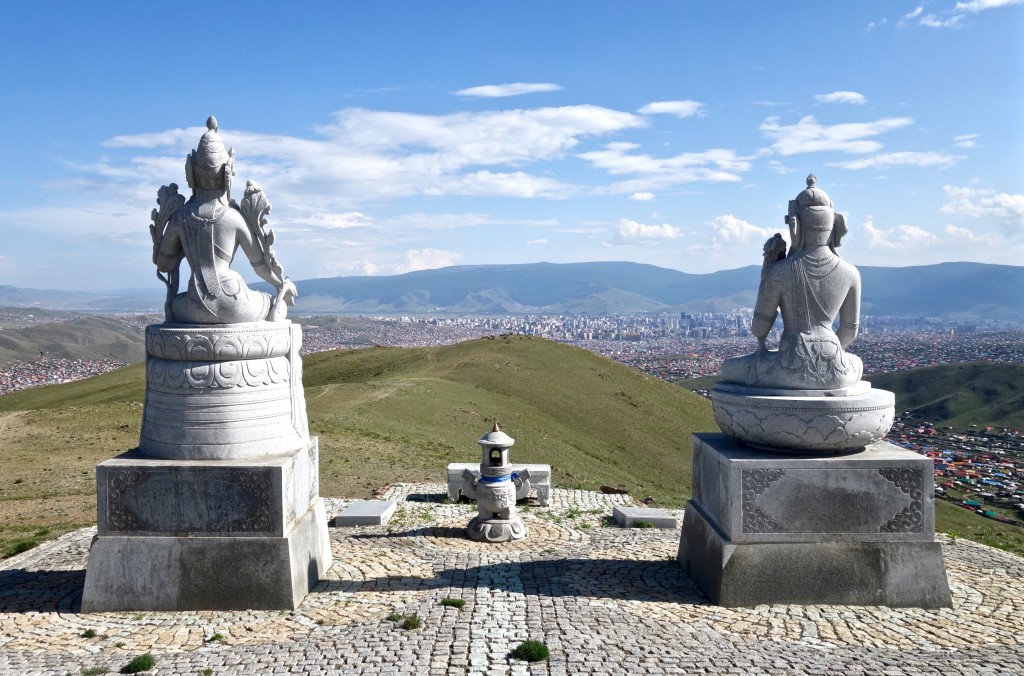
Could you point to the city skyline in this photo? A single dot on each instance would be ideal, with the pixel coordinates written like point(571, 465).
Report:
point(404, 137)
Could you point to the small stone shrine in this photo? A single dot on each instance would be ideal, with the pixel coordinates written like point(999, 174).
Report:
point(219, 506)
point(800, 501)
point(494, 487)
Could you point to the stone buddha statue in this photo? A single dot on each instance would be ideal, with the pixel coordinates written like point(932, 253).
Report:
point(207, 231)
point(811, 286)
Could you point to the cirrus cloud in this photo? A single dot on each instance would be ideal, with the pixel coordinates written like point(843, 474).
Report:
point(365, 155)
point(680, 109)
point(855, 98)
point(901, 159)
point(809, 136)
point(511, 89)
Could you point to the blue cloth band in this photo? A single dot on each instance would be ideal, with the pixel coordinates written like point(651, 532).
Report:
point(499, 479)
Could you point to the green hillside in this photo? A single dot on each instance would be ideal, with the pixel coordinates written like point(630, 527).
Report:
point(83, 338)
point(595, 421)
point(960, 394)
point(383, 415)
point(397, 414)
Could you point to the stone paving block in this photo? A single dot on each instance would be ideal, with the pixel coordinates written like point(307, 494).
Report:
point(366, 513)
point(659, 518)
point(582, 589)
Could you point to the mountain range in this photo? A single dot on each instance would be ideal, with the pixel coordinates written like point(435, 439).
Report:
point(947, 290)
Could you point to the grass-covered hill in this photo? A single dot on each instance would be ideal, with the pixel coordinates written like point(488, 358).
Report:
point(383, 415)
point(398, 414)
point(84, 338)
point(960, 394)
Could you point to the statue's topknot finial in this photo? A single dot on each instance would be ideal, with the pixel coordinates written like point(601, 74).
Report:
point(497, 427)
point(812, 180)
point(211, 124)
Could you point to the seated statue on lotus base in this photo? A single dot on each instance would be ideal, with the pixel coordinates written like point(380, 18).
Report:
point(806, 396)
point(805, 503)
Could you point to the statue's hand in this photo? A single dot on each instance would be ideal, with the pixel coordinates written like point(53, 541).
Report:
point(288, 292)
point(761, 347)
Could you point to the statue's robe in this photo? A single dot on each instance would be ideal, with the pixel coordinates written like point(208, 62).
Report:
point(810, 290)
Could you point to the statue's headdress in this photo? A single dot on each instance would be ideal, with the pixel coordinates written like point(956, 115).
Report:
point(815, 211)
point(210, 166)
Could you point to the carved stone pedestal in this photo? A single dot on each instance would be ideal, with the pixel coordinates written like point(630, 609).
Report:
point(804, 421)
point(856, 529)
point(207, 534)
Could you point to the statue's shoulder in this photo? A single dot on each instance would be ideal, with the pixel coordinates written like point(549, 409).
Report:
point(233, 216)
point(848, 269)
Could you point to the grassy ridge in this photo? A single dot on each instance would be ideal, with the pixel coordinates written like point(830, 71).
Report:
point(383, 415)
point(595, 421)
point(960, 394)
point(399, 414)
point(83, 338)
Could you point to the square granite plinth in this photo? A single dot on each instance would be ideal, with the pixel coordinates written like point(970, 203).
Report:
point(855, 529)
point(207, 534)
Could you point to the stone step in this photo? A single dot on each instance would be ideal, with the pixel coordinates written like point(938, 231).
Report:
point(366, 513)
point(628, 516)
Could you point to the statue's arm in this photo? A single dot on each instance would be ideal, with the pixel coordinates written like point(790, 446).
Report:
point(766, 309)
point(849, 315)
point(169, 255)
point(256, 258)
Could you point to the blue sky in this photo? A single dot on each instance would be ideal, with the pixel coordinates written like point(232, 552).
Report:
point(395, 136)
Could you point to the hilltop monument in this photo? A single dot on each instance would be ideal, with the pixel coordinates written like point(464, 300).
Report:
point(219, 506)
point(800, 501)
point(495, 487)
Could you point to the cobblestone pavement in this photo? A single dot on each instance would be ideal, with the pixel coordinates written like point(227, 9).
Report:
point(605, 600)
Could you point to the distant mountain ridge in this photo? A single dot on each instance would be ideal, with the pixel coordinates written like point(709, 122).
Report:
point(960, 290)
point(950, 290)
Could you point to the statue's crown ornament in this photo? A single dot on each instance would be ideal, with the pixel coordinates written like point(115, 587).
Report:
point(813, 196)
point(210, 165)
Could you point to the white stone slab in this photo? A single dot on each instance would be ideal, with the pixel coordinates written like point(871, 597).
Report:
point(540, 479)
point(367, 513)
point(628, 516)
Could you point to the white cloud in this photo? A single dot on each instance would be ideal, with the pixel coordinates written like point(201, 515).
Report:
point(367, 155)
point(410, 261)
point(681, 109)
point(954, 18)
point(631, 232)
point(907, 158)
point(900, 237)
point(656, 173)
point(975, 6)
point(511, 89)
point(855, 98)
point(351, 219)
point(967, 236)
point(542, 240)
point(642, 196)
point(729, 228)
point(779, 167)
point(808, 135)
point(909, 16)
point(981, 203)
point(966, 140)
point(936, 21)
